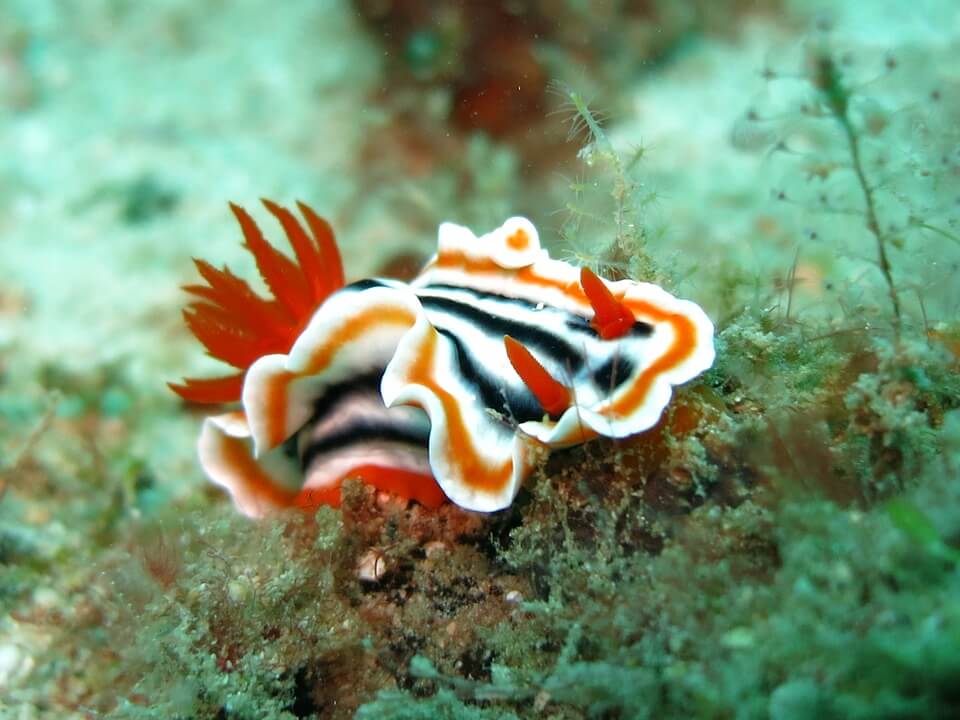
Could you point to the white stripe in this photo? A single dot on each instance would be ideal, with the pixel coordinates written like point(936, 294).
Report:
point(330, 467)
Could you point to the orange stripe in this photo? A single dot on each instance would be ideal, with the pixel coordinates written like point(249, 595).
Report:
point(407, 484)
point(455, 260)
point(519, 240)
point(236, 455)
point(685, 333)
point(461, 450)
point(683, 346)
point(275, 400)
point(370, 319)
point(320, 358)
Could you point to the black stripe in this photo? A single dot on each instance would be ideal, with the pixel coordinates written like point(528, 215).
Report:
point(493, 392)
point(366, 284)
point(333, 395)
point(575, 323)
point(363, 432)
point(612, 373)
point(565, 354)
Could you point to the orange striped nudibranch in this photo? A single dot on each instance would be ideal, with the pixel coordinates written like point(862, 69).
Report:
point(445, 388)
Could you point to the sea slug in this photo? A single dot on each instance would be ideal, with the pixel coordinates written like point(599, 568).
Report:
point(451, 386)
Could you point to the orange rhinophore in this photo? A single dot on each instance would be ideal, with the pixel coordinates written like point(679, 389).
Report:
point(611, 318)
point(554, 396)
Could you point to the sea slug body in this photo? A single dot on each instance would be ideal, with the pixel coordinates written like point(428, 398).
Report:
point(450, 387)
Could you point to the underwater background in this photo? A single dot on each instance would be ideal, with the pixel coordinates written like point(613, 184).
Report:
point(784, 544)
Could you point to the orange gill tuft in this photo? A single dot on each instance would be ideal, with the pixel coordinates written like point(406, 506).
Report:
point(238, 326)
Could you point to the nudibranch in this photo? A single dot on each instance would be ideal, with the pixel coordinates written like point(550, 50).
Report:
point(451, 386)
